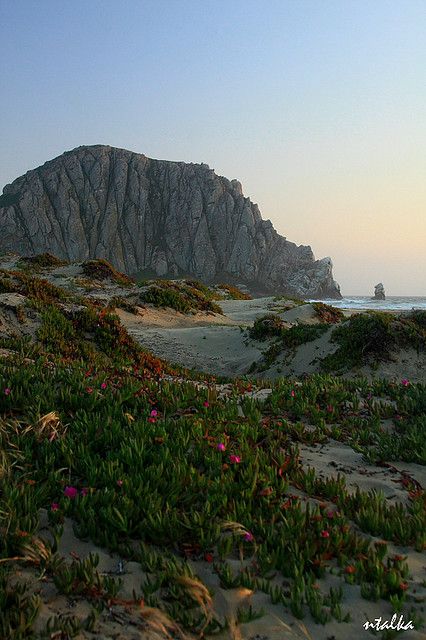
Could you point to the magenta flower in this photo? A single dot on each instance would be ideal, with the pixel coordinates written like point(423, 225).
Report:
point(7, 391)
point(206, 404)
point(234, 459)
point(325, 534)
point(89, 390)
point(84, 491)
point(405, 382)
point(104, 385)
point(330, 408)
point(70, 492)
point(221, 446)
point(120, 483)
point(292, 393)
point(54, 506)
point(248, 537)
point(152, 419)
point(154, 413)
point(330, 514)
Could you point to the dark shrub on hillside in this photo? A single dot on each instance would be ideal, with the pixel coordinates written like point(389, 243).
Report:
point(101, 269)
point(43, 261)
point(327, 313)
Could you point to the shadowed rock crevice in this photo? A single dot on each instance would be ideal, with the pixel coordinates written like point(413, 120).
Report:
point(168, 218)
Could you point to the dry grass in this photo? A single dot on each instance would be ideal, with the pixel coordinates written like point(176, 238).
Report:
point(198, 592)
point(158, 622)
point(48, 427)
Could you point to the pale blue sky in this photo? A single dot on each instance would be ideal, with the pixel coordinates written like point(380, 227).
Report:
point(318, 107)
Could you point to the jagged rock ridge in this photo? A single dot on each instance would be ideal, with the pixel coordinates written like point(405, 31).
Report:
point(145, 215)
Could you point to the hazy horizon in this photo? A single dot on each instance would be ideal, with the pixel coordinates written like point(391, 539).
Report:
point(319, 109)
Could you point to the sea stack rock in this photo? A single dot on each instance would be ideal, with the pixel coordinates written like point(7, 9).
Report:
point(379, 292)
point(155, 217)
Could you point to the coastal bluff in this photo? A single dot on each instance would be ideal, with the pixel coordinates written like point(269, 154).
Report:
point(155, 218)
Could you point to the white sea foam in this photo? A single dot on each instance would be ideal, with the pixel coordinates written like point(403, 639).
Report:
point(392, 303)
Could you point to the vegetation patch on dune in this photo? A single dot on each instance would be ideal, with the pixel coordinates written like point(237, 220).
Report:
point(268, 326)
point(34, 288)
point(184, 296)
point(327, 313)
point(371, 337)
point(230, 292)
point(272, 326)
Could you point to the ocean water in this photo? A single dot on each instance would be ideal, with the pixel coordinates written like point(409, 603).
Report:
point(392, 303)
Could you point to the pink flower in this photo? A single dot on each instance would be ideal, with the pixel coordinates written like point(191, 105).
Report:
point(7, 391)
point(330, 408)
point(292, 393)
point(54, 506)
point(206, 404)
point(234, 459)
point(104, 385)
point(154, 413)
point(84, 491)
point(325, 534)
point(70, 492)
point(330, 514)
point(120, 483)
point(248, 537)
point(405, 382)
point(221, 446)
point(152, 419)
point(89, 390)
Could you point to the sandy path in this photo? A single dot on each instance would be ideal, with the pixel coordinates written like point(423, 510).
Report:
point(215, 350)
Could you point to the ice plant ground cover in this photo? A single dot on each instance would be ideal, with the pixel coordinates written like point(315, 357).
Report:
point(135, 460)
point(166, 471)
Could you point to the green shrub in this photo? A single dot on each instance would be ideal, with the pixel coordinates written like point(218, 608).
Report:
point(418, 317)
point(183, 296)
point(267, 326)
point(166, 298)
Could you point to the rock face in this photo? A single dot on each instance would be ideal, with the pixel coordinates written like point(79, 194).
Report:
point(154, 217)
point(379, 292)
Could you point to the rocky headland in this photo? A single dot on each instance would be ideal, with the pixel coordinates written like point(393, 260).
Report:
point(155, 217)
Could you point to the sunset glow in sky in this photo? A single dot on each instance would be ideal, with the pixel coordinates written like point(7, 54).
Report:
point(317, 107)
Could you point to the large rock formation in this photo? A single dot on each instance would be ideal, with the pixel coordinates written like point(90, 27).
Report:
point(153, 216)
point(379, 292)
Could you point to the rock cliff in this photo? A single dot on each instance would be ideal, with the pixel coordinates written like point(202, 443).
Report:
point(154, 217)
